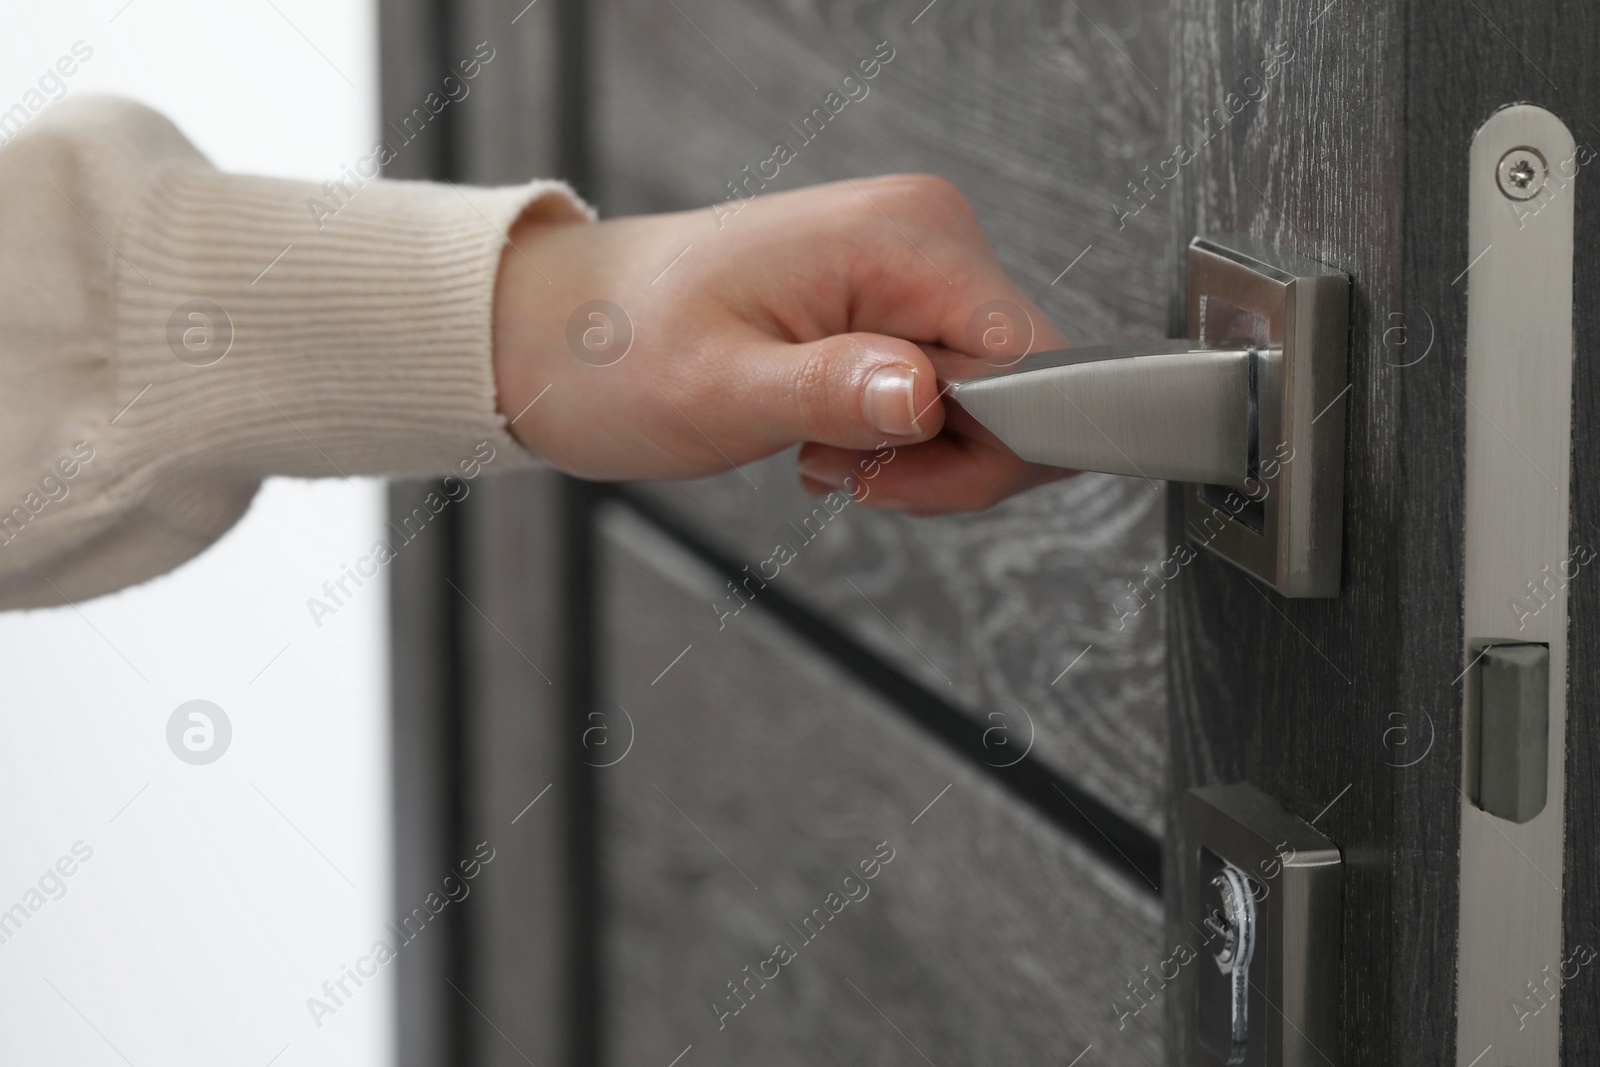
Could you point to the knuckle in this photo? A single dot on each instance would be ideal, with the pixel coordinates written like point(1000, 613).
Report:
point(933, 194)
point(920, 195)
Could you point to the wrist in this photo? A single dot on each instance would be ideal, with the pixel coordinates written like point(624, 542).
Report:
point(525, 332)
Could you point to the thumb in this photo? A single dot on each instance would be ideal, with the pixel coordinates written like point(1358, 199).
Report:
point(854, 390)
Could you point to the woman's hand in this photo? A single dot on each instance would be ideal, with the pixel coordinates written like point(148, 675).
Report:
point(672, 346)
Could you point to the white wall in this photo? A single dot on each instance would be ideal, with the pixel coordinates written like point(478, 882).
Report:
point(219, 897)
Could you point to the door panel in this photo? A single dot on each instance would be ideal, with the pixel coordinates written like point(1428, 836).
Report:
point(758, 777)
point(480, 645)
point(989, 609)
point(1027, 107)
point(1344, 710)
point(1293, 695)
point(1348, 711)
point(516, 781)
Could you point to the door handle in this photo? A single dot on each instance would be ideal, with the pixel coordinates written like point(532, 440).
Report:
point(1248, 411)
point(1171, 410)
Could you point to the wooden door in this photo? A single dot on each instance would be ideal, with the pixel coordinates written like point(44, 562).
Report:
point(857, 688)
point(874, 700)
point(871, 701)
point(1348, 711)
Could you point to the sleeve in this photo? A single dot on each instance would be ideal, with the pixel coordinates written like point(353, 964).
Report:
point(171, 335)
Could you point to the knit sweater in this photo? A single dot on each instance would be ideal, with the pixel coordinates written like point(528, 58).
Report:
point(171, 335)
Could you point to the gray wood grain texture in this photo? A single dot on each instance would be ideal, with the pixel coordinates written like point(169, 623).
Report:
point(421, 785)
point(508, 124)
point(1580, 1021)
point(1038, 112)
point(504, 946)
point(1320, 702)
point(515, 922)
point(757, 778)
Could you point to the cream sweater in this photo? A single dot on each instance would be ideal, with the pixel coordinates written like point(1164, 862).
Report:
point(171, 335)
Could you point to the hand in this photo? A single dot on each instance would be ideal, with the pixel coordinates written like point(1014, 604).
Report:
point(824, 316)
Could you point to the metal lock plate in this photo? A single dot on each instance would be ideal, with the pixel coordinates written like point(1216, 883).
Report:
point(1519, 549)
point(1262, 902)
point(1284, 523)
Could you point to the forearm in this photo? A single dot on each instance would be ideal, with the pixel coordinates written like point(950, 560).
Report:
point(198, 332)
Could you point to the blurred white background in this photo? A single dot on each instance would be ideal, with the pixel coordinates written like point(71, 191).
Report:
point(218, 897)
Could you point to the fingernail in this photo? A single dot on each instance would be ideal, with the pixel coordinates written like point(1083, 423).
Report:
point(889, 401)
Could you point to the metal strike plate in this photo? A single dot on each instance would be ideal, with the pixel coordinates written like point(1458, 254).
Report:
point(1284, 521)
point(1262, 908)
point(1518, 555)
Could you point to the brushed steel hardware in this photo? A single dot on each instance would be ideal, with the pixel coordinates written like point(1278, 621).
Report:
point(1247, 412)
point(1170, 410)
point(1518, 411)
point(1513, 684)
point(1262, 894)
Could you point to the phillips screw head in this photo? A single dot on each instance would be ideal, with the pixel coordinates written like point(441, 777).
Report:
point(1522, 173)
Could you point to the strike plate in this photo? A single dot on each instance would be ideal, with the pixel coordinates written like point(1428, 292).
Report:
point(1285, 523)
point(1517, 557)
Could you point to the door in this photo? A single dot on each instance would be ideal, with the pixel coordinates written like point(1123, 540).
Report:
point(686, 774)
point(1349, 711)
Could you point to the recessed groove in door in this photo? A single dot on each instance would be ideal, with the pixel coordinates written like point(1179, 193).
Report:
point(1116, 839)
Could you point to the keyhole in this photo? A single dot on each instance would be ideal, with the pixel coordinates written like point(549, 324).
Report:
point(1224, 922)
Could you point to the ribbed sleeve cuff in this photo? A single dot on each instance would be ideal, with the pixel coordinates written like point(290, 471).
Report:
point(276, 327)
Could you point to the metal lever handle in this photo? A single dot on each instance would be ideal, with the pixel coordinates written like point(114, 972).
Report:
point(1171, 410)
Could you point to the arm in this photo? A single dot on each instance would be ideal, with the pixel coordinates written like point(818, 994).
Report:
point(173, 335)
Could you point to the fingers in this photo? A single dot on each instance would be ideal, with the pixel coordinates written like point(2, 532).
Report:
point(922, 269)
point(963, 469)
point(880, 321)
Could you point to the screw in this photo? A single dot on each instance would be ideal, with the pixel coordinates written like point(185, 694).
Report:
point(1522, 173)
